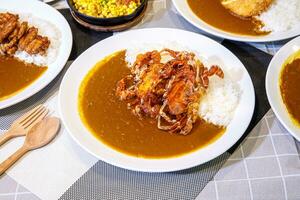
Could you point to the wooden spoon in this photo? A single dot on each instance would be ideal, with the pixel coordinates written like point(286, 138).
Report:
point(23, 124)
point(38, 136)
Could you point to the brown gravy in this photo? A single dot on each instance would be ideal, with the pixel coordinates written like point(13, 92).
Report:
point(111, 122)
point(289, 86)
point(15, 75)
point(213, 13)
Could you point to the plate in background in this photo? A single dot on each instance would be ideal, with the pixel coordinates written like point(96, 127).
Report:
point(273, 87)
point(185, 11)
point(43, 11)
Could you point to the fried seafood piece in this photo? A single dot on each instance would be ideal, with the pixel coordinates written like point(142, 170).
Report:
point(12, 50)
point(39, 45)
point(33, 43)
point(19, 31)
point(246, 8)
point(5, 17)
point(28, 37)
point(14, 33)
point(22, 30)
point(10, 47)
point(189, 82)
point(169, 92)
point(10, 44)
point(8, 23)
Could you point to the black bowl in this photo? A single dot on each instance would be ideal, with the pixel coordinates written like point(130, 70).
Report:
point(107, 21)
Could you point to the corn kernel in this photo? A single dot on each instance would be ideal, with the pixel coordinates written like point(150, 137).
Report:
point(105, 8)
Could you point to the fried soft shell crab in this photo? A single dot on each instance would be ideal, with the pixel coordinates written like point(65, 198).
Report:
point(167, 91)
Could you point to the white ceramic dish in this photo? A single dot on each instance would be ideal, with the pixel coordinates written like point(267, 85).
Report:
point(184, 9)
point(273, 88)
point(209, 49)
point(45, 12)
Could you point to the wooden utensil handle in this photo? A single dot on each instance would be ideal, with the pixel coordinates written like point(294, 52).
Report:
point(4, 137)
point(12, 159)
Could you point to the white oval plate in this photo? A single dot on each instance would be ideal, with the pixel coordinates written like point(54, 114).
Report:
point(45, 12)
point(184, 9)
point(273, 87)
point(211, 50)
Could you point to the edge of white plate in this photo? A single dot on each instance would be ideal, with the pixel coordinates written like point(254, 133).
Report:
point(273, 90)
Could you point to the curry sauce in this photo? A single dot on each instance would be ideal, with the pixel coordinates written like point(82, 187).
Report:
point(111, 122)
point(290, 87)
point(15, 75)
point(213, 13)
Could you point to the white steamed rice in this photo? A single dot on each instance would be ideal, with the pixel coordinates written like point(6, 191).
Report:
point(219, 103)
point(282, 15)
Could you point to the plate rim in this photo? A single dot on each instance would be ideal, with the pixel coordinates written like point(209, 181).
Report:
point(12, 100)
point(275, 107)
point(151, 169)
point(227, 35)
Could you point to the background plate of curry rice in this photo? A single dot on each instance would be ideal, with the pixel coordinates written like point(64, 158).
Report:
point(58, 32)
point(209, 51)
point(248, 21)
point(285, 56)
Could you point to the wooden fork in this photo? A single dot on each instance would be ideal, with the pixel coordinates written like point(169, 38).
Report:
point(22, 125)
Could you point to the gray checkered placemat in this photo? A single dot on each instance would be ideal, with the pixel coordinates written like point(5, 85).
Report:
point(265, 166)
point(104, 181)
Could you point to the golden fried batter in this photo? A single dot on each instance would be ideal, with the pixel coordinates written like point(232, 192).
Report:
point(14, 33)
point(28, 37)
point(4, 17)
point(6, 46)
point(12, 50)
point(246, 8)
point(8, 26)
point(33, 43)
point(9, 45)
point(22, 30)
point(38, 45)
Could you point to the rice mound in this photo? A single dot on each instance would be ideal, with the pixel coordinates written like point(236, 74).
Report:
point(282, 15)
point(219, 103)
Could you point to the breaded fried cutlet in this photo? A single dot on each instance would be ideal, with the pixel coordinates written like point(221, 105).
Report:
point(246, 8)
point(15, 35)
point(8, 23)
point(4, 17)
point(10, 44)
point(38, 45)
point(27, 38)
point(33, 43)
